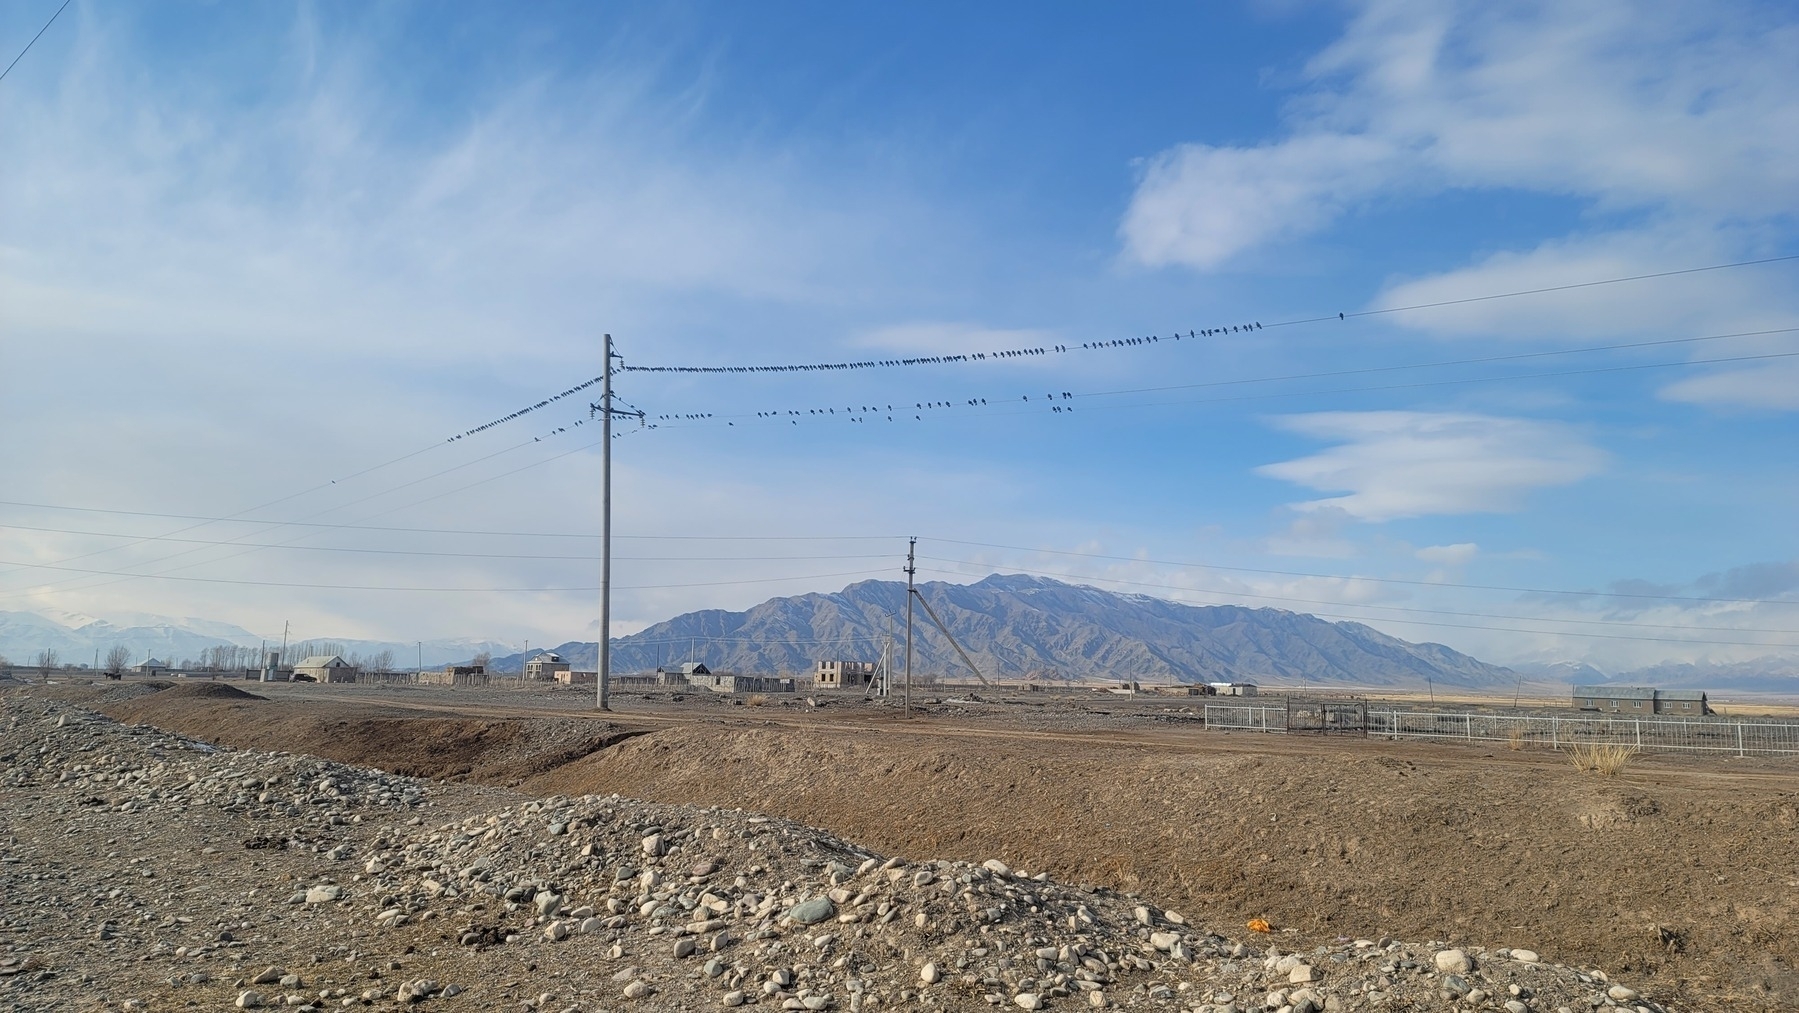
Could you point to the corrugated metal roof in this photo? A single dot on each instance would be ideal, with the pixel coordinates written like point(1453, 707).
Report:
point(1688, 695)
point(323, 661)
point(1615, 692)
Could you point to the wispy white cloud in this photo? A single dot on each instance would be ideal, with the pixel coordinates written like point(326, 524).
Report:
point(207, 259)
point(1689, 115)
point(1459, 554)
point(1316, 533)
point(1685, 306)
point(321, 214)
point(1395, 464)
point(1772, 386)
point(1201, 205)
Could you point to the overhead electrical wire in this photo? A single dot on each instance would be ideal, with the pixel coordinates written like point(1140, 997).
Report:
point(1176, 335)
point(998, 406)
point(1000, 355)
point(450, 531)
point(425, 552)
point(123, 576)
point(14, 593)
point(481, 532)
point(303, 524)
point(1434, 624)
point(1399, 608)
point(265, 525)
point(34, 38)
point(1377, 580)
point(436, 589)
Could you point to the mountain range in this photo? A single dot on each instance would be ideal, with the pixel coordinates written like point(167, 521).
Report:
point(78, 639)
point(1013, 626)
point(1031, 627)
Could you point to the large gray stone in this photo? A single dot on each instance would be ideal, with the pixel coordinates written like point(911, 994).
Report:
point(811, 912)
point(1454, 962)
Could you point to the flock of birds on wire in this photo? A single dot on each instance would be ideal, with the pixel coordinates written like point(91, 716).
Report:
point(545, 403)
point(852, 413)
point(934, 360)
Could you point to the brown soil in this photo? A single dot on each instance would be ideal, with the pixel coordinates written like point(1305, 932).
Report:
point(1680, 872)
point(399, 740)
point(1662, 872)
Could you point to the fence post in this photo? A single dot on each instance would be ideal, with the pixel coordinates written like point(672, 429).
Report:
point(1639, 733)
point(1468, 727)
point(1555, 732)
point(1739, 740)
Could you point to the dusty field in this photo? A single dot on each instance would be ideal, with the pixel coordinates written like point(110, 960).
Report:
point(1679, 874)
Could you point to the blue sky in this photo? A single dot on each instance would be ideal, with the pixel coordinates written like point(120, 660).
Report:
point(254, 251)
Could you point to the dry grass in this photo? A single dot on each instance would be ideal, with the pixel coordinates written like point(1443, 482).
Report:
point(1514, 740)
point(1606, 758)
point(757, 699)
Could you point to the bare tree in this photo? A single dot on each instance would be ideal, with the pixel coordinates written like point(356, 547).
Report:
point(117, 659)
point(482, 660)
point(47, 659)
point(380, 661)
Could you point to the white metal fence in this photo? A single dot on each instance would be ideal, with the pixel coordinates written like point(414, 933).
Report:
point(1709, 735)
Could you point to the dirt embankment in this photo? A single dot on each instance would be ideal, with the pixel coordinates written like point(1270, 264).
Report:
point(501, 751)
point(1685, 880)
point(1684, 873)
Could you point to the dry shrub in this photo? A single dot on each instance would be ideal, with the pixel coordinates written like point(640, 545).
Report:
point(1606, 758)
point(757, 699)
point(1514, 739)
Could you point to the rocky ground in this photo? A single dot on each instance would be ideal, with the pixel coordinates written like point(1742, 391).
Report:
point(144, 870)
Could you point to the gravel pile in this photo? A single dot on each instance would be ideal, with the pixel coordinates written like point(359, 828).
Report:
point(142, 870)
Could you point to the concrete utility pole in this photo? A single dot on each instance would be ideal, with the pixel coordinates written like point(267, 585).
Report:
point(911, 570)
point(604, 675)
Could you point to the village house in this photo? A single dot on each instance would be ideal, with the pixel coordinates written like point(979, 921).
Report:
point(455, 675)
point(545, 667)
point(700, 677)
point(1642, 701)
point(1232, 688)
point(682, 675)
point(837, 674)
point(325, 668)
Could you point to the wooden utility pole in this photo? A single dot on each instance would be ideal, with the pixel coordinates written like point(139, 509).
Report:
point(911, 570)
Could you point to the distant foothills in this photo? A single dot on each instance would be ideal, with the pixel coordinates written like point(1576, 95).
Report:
point(1014, 627)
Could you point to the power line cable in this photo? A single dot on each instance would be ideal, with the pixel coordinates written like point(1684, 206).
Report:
point(1405, 608)
point(1444, 363)
point(433, 588)
point(300, 524)
point(1437, 625)
point(1192, 333)
point(266, 525)
point(418, 552)
point(1571, 287)
point(997, 407)
point(34, 38)
point(1378, 580)
point(270, 525)
point(450, 531)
